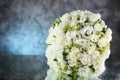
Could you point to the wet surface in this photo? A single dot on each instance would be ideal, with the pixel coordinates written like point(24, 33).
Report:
point(20, 67)
point(24, 26)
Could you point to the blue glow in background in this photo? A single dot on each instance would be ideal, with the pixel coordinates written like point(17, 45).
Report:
point(23, 28)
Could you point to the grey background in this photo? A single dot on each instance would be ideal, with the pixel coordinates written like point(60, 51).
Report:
point(24, 26)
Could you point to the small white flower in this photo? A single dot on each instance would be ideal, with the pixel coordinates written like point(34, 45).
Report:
point(94, 38)
point(98, 27)
point(94, 17)
point(87, 31)
point(83, 71)
point(72, 57)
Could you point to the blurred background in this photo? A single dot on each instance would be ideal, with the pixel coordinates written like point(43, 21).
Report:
point(24, 26)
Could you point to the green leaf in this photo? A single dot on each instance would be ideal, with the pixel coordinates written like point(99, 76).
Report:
point(92, 68)
point(87, 20)
point(54, 36)
point(98, 21)
point(56, 22)
point(55, 59)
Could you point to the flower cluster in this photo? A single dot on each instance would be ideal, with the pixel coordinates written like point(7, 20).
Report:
point(78, 45)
